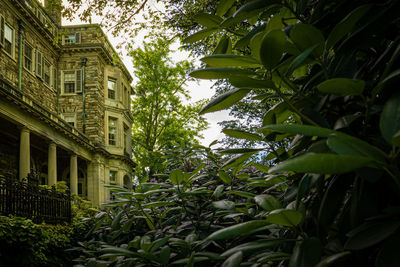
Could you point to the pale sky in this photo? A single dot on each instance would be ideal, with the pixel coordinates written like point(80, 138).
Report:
point(197, 90)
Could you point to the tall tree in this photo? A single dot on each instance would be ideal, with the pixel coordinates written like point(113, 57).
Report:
point(161, 120)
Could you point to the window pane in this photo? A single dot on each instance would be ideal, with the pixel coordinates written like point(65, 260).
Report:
point(8, 33)
point(112, 85)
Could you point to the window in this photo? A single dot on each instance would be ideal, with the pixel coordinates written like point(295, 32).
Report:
point(39, 64)
point(2, 22)
point(126, 136)
point(8, 39)
point(113, 177)
point(112, 131)
point(28, 57)
point(74, 38)
point(46, 72)
point(112, 87)
point(72, 81)
point(70, 119)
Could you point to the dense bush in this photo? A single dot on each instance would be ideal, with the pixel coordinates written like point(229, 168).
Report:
point(24, 243)
point(328, 191)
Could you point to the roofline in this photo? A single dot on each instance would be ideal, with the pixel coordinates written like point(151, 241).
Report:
point(98, 26)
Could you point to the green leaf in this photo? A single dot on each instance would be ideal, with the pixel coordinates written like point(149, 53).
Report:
point(267, 202)
point(242, 135)
point(249, 247)
point(218, 191)
point(370, 233)
point(224, 204)
point(284, 217)
point(224, 101)
point(224, 46)
point(390, 118)
point(322, 164)
point(306, 130)
point(223, 7)
point(328, 261)
point(299, 60)
point(396, 139)
point(276, 113)
point(346, 25)
point(305, 36)
point(342, 86)
point(241, 193)
point(231, 61)
point(351, 146)
point(237, 230)
point(253, 7)
point(219, 73)
point(226, 178)
point(207, 20)
point(234, 260)
point(388, 255)
point(116, 220)
point(250, 83)
point(235, 161)
point(390, 78)
point(245, 40)
point(261, 168)
point(240, 150)
point(165, 255)
point(176, 176)
point(307, 253)
point(199, 36)
point(273, 256)
point(272, 48)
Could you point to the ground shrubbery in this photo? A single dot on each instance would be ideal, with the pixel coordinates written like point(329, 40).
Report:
point(24, 243)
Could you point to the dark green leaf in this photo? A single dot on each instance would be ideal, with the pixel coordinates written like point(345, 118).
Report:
point(231, 61)
point(250, 83)
point(267, 202)
point(272, 48)
point(307, 253)
point(322, 164)
point(369, 234)
point(306, 130)
point(328, 261)
point(234, 260)
point(199, 35)
point(249, 247)
point(224, 101)
point(342, 86)
point(388, 255)
point(226, 178)
point(305, 36)
point(240, 150)
point(223, 7)
point(299, 60)
point(208, 20)
point(236, 230)
point(390, 118)
point(165, 255)
point(348, 145)
point(176, 177)
point(346, 25)
point(224, 46)
point(284, 217)
point(224, 204)
point(235, 161)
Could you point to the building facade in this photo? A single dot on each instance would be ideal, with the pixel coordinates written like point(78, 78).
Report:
point(64, 102)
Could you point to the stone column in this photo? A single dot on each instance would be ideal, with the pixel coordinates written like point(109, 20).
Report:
point(24, 154)
point(95, 174)
point(52, 164)
point(73, 174)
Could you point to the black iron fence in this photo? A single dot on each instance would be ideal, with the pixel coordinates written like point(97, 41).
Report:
point(27, 199)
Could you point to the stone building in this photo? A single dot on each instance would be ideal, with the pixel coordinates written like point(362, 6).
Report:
point(64, 102)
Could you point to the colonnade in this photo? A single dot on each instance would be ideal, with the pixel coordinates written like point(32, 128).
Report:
point(24, 162)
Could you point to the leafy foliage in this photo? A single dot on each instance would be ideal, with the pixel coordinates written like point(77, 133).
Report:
point(327, 193)
point(160, 119)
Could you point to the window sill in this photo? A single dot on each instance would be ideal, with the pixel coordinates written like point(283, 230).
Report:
point(9, 55)
point(68, 94)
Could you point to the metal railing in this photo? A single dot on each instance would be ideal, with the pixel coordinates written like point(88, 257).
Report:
point(27, 199)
